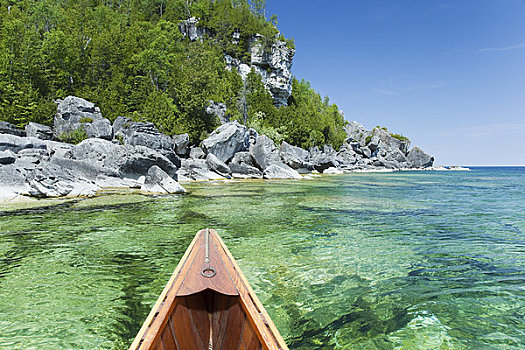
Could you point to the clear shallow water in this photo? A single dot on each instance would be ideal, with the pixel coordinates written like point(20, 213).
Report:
point(422, 260)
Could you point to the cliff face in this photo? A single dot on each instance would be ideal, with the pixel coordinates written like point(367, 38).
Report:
point(273, 63)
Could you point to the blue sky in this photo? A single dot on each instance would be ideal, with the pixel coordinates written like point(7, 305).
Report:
point(450, 75)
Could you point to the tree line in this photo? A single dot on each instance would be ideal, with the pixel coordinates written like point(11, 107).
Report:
point(130, 58)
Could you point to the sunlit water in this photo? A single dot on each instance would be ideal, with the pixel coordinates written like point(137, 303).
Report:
point(421, 260)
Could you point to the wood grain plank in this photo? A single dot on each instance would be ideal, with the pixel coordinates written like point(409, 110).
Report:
point(168, 338)
point(199, 316)
point(234, 323)
point(249, 338)
point(187, 337)
point(220, 315)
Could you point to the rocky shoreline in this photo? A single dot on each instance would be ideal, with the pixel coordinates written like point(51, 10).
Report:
point(134, 155)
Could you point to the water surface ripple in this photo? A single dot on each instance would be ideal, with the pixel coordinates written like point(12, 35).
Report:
point(412, 260)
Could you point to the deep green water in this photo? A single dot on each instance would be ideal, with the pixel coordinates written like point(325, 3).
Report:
point(422, 260)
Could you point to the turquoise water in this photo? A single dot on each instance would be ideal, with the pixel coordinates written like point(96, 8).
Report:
point(411, 260)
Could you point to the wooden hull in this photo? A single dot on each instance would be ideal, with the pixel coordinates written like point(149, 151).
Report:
point(208, 304)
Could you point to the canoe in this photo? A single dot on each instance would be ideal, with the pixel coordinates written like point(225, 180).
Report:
point(208, 305)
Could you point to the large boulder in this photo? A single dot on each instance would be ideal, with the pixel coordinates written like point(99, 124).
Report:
point(127, 161)
point(157, 181)
point(264, 152)
point(75, 113)
point(356, 132)
point(244, 171)
point(243, 158)
point(281, 171)
point(145, 134)
point(181, 143)
point(419, 159)
point(8, 128)
point(215, 164)
point(52, 180)
point(295, 157)
point(196, 169)
point(197, 153)
point(382, 139)
point(39, 131)
point(347, 157)
point(322, 160)
point(227, 140)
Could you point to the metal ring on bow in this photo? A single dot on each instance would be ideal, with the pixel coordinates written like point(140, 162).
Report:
point(208, 272)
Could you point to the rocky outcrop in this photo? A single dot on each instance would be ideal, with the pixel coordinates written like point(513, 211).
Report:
point(264, 152)
point(419, 159)
point(146, 135)
point(75, 113)
point(217, 110)
point(274, 65)
point(8, 128)
point(39, 131)
point(227, 140)
point(181, 144)
point(295, 157)
point(189, 29)
point(125, 160)
point(141, 157)
point(356, 132)
point(215, 164)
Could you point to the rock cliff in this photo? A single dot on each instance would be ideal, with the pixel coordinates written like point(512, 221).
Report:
point(273, 63)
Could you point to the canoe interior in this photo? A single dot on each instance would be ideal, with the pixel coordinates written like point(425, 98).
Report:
point(207, 320)
point(208, 305)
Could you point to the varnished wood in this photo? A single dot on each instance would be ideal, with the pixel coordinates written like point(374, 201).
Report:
point(217, 306)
